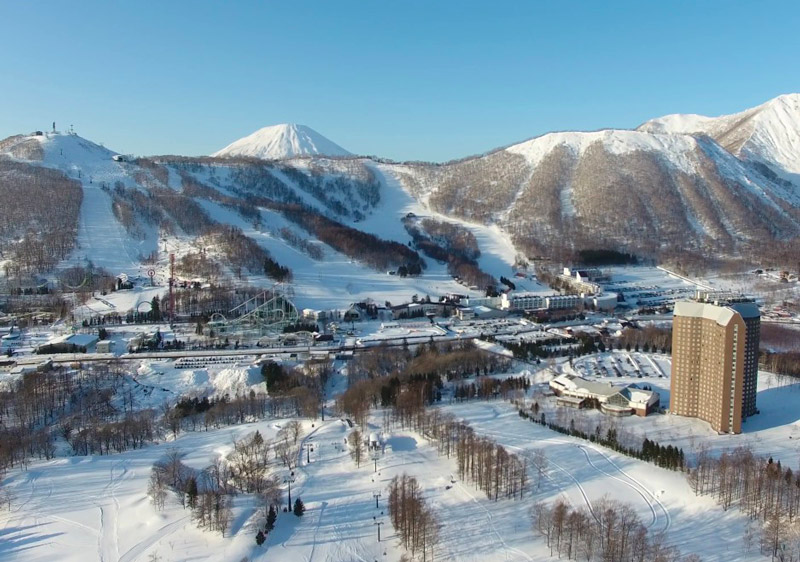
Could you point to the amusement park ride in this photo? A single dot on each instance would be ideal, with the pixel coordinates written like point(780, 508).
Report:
point(268, 313)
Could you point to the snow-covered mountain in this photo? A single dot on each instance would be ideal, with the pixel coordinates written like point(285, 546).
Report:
point(650, 193)
point(767, 134)
point(279, 142)
point(678, 186)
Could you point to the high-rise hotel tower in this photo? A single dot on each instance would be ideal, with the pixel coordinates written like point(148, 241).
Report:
point(715, 362)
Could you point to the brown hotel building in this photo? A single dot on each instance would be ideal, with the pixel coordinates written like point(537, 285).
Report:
point(714, 363)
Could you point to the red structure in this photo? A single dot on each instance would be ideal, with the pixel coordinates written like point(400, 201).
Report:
point(172, 289)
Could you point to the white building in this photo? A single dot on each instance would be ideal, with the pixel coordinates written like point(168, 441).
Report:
point(562, 302)
point(606, 301)
point(617, 400)
point(522, 301)
point(465, 313)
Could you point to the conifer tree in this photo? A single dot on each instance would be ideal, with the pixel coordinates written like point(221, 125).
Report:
point(299, 507)
point(191, 492)
point(272, 516)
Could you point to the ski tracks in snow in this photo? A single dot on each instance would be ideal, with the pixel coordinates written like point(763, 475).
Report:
point(139, 548)
point(654, 504)
point(490, 519)
point(108, 536)
point(640, 488)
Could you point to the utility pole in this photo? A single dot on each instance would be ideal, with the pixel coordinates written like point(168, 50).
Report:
point(288, 480)
point(378, 524)
point(376, 495)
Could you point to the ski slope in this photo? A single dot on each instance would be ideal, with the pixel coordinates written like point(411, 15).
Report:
point(95, 508)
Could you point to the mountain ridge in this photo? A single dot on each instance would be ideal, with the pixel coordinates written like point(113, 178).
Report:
point(658, 194)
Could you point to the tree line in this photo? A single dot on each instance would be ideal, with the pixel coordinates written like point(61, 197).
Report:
point(608, 531)
point(394, 377)
point(452, 244)
point(761, 488)
point(361, 246)
point(413, 519)
point(668, 456)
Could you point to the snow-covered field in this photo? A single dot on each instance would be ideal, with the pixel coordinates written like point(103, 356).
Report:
point(95, 508)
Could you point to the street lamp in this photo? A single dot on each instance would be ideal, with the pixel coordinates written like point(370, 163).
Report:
point(289, 480)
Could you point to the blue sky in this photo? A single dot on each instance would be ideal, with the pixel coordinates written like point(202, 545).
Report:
point(404, 80)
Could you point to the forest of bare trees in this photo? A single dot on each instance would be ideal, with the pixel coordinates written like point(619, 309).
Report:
point(207, 493)
point(364, 247)
point(39, 213)
point(42, 407)
point(413, 519)
point(570, 200)
point(608, 531)
point(193, 188)
point(394, 377)
point(761, 489)
point(452, 244)
point(314, 251)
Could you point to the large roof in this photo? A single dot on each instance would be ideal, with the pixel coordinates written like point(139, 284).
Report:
point(722, 315)
point(746, 309)
point(574, 382)
point(635, 396)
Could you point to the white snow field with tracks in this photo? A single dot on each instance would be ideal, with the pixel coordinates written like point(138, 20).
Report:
point(96, 508)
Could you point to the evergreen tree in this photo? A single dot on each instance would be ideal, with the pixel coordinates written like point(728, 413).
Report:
point(191, 492)
point(273, 374)
point(155, 312)
point(272, 516)
point(299, 507)
point(260, 538)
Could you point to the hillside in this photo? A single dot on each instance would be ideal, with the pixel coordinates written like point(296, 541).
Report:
point(649, 193)
point(279, 142)
point(767, 134)
point(677, 189)
point(325, 225)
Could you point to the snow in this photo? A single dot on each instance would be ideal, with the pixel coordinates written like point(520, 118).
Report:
point(101, 239)
point(215, 380)
point(769, 132)
point(677, 148)
point(283, 141)
point(95, 508)
point(498, 253)
point(120, 302)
